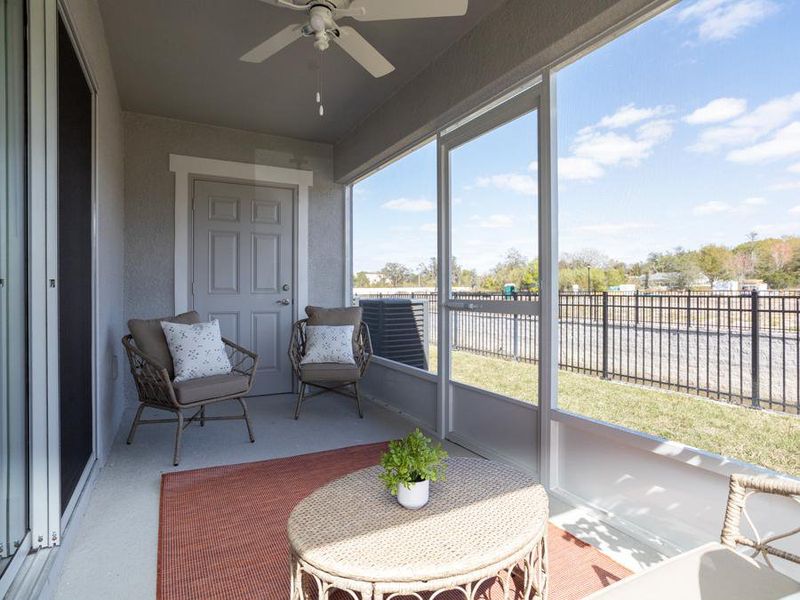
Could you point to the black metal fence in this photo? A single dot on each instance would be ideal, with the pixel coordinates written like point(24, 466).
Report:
point(742, 348)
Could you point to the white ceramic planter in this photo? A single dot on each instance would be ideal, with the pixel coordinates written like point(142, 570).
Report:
point(415, 497)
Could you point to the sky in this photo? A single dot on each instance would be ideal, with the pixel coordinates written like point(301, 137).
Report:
point(682, 132)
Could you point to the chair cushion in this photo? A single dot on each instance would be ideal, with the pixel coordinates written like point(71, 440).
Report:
point(328, 373)
point(206, 388)
point(710, 572)
point(149, 337)
point(336, 316)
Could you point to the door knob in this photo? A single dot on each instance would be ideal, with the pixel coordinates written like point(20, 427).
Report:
point(284, 301)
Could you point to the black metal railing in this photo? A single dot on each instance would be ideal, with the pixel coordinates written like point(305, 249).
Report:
point(742, 348)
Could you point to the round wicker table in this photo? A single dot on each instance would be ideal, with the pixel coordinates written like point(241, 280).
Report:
point(486, 523)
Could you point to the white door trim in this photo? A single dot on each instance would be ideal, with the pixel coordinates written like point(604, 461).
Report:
point(186, 167)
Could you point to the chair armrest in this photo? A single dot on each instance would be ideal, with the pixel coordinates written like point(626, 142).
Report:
point(243, 361)
point(297, 345)
point(743, 486)
point(363, 350)
point(152, 379)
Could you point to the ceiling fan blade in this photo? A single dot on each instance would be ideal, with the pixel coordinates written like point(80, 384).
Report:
point(286, 4)
point(274, 44)
point(388, 10)
point(363, 52)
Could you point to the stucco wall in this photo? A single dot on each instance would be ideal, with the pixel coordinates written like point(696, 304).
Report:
point(517, 40)
point(149, 204)
point(85, 17)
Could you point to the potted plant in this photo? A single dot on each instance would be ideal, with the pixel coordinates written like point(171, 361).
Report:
point(409, 466)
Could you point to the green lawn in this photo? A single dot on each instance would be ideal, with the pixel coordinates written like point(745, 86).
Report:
point(760, 437)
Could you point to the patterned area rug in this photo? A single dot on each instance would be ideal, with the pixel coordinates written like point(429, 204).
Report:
point(222, 531)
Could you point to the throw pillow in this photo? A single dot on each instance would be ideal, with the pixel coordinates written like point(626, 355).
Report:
point(329, 344)
point(197, 350)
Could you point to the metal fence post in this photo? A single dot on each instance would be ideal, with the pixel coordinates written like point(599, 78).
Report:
point(516, 337)
point(755, 351)
point(454, 330)
point(605, 335)
point(688, 309)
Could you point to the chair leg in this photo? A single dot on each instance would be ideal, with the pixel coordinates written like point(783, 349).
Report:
point(247, 419)
point(202, 416)
point(135, 424)
point(176, 457)
point(358, 401)
point(299, 400)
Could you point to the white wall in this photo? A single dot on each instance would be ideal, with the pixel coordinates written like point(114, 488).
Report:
point(659, 488)
point(85, 18)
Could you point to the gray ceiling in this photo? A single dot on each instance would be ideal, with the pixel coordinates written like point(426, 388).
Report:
point(179, 58)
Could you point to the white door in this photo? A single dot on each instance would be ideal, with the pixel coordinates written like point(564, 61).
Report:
point(242, 271)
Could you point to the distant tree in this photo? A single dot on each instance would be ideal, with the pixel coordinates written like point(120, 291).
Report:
point(360, 280)
point(714, 262)
point(395, 274)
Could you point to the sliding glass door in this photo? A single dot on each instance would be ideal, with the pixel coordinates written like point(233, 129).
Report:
point(13, 286)
point(490, 183)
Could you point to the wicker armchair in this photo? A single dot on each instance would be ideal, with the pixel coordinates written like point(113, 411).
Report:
point(329, 377)
point(740, 488)
point(153, 378)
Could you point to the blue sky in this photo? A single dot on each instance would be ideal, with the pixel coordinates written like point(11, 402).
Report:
point(682, 132)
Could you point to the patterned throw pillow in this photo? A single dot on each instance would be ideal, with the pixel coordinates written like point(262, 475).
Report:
point(197, 350)
point(329, 344)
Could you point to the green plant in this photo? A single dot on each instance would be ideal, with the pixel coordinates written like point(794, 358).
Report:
point(412, 460)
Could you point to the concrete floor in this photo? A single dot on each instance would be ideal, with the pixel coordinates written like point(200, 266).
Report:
point(113, 554)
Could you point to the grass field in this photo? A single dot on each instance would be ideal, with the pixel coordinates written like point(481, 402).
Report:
point(759, 437)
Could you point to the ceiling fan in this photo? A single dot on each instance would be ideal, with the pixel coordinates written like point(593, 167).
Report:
point(321, 25)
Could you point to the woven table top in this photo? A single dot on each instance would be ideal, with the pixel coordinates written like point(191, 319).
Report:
point(481, 515)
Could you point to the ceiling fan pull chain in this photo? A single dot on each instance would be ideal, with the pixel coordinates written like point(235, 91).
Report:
point(319, 86)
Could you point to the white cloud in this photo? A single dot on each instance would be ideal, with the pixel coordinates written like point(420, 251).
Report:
point(794, 168)
point(574, 168)
point(750, 127)
point(496, 221)
point(534, 166)
point(785, 186)
point(513, 182)
point(712, 208)
point(612, 148)
point(612, 228)
point(785, 143)
point(717, 111)
point(428, 227)
point(630, 114)
point(748, 206)
point(724, 19)
point(604, 145)
point(409, 205)
point(795, 210)
point(775, 229)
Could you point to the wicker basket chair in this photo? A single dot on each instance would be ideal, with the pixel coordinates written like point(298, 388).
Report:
point(330, 377)
point(152, 370)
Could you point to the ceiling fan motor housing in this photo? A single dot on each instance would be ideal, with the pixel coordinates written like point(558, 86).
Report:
point(321, 25)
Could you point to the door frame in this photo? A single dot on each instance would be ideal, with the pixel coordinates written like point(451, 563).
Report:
point(519, 102)
point(189, 168)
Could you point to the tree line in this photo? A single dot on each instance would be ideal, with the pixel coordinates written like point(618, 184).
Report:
point(776, 261)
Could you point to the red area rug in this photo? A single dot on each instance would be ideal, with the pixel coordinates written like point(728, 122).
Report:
point(222, 531)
